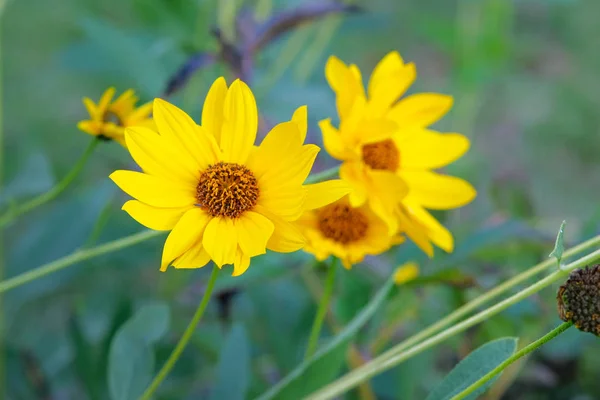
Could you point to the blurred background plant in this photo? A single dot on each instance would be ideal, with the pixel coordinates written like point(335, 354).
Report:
point(524, 75)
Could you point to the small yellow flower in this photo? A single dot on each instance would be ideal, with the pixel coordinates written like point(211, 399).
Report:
point(406, 273)
point(108, 119)
point(221, 197)
point(345, 232)
point(389, 153)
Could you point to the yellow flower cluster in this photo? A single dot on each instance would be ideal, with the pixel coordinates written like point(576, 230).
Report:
point(225, 199)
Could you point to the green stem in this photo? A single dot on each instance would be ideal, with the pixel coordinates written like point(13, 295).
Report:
point(3, 380)
point(13, 213)
point(486, 297)
point(384, 362)
point(185, 338)
point(323, 175)
point(523, 352)
point(321, 311)
point(73, 258)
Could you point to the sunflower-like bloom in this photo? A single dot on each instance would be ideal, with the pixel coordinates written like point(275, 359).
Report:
point(108, 118)
point(221, 197)
point(389, 153)
point(345, 232)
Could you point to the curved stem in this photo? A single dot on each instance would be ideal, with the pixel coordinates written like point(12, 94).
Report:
point(74, 258)
point(523, 352)
point(323, 175)
point(486, 297)
point(321, 311)
point(382, 363)
point(185, 338)
point(13, 213)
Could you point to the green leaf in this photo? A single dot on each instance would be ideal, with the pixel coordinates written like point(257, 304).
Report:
point(131, 356)
point(473, 367)
point(233, 371)
point(559, 246)
point(308, 376)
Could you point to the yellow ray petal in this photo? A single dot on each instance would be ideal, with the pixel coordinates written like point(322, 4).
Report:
point(354, 174)
point(154, 191)
point(187, 232)
point(333, 142)
point(241, 263)
point(286, 237)
point(390, 79)
point(320, 194)
point(212, 111)
point(436, 191)
point(415, 232)
point(375, 130)
point(436, 232)
point(240, 123)
point(90, 127)
point(220, 241)
point(195, 257)
point(300, 117)
point(285, 201)
point(293, 170)
point(159, 219)
point(106, 99)
point(91, 108)
point(190, 139)
point(253, 232)
point(346, 82)
point(421, 109)
point(156, 156)
point(141, 113)
point(429, 150)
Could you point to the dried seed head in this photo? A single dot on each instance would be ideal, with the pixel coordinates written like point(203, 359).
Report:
point(579, 299)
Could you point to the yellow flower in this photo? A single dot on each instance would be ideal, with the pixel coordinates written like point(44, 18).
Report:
point(108, 119)
point(406, 273)
point(345, 232)
point(221, 197)
point(389, 153)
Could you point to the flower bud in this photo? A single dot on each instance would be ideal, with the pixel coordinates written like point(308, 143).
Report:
point(579, 299)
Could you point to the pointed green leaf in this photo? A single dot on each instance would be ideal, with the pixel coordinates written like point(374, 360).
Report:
point(559, 246)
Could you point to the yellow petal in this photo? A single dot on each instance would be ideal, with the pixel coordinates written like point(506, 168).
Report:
point(186, 233)
point(346, 82)
point(321, 194)
point(212, 111)
point(286, 237)
point(285, 201)
point(406, 273)
point(354, 174)
point(220, 241)
point(333, 141)
point(241, 263)
point(91, 108)
point(300, 117)
point(416, 232)
point(240, 123)
point(156, 156)
point(159, 219)
point(90, 127)
point(124, 103)
point(422, 109)
point(141, 113)
point(376, 130)
point(154, 191)
point(105, 100)
point(390, 80)
point(293, 170)
point(195, 257)
point(429, 150)
point(436, 191)
point(190, 140)
point(253, 232)
point(436, 232)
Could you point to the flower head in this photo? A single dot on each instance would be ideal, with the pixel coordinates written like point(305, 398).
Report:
point(388, 151)
point(406, 273)
point(345, 232)
point(579, 299)
point(108, 118)
point(221, 197)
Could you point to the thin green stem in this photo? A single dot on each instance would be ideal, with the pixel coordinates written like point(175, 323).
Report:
point(486, 297)
point(185, 338)
point(383, 362)
point(13, 213)
point(523, 352)
point(323, 175)
point(77, 256)
point(322, 310)
point(2, 327)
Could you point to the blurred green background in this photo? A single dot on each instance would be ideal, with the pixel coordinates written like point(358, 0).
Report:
point(526, 82)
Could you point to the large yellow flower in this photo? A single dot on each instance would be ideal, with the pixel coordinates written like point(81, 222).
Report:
point(108, 119)
point(345, 232)
point(389, 153)
point(222, 198)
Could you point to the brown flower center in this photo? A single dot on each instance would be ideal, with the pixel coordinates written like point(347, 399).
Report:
point(342, 223)
point(381, 155)
point(227, 190)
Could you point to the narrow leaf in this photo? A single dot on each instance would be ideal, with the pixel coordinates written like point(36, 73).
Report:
point(474, 366)
point(559, 246)
point(233, 371)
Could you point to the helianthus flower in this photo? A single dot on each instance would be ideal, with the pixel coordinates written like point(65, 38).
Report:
point(345, 232)
point(221, 197)
point(389, 153)
point(108, 118)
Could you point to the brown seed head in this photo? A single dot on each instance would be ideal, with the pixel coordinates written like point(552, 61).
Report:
point(579, 299)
